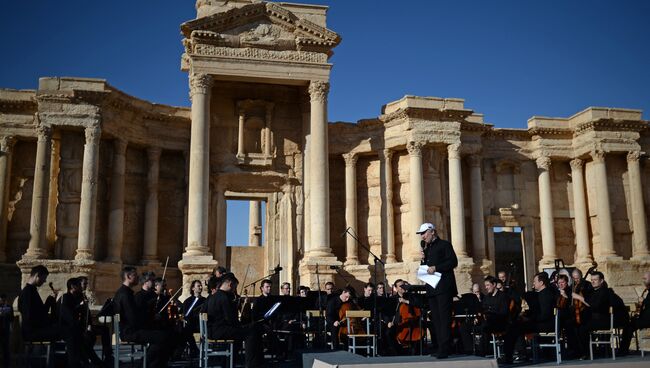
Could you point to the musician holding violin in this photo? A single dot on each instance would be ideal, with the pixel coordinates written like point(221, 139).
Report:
point(494, 312)
point(190, 316)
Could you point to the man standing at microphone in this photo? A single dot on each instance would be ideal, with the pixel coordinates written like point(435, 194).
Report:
point(439, 255)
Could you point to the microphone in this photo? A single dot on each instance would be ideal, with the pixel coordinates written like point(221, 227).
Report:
point(346, 231)
point(277, 268)
point(334, 267)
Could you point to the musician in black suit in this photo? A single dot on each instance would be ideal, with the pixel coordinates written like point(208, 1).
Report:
point(597, 311)
point(132, 320)
point(439, 255)
point(540, 318)
point(190, 309)
point(642, 320)
point(224, 324)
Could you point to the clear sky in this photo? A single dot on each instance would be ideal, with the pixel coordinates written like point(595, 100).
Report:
point(509, 60)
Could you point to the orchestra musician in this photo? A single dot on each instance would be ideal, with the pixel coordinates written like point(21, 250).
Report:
point(404, 329)
point(540, 318)
point(145, 298)
point(439, 255)
point(641, 319)
point(93, 330)
point(597, 306)
point(381, 289)
point(494, 312)
point(223, 323)
point(190, 309)
point(72, 317)
point(367, 301)
point(332, 314)
point(132, 318)
point(566, 312)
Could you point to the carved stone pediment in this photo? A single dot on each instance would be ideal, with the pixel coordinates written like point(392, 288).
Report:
point(261, 25)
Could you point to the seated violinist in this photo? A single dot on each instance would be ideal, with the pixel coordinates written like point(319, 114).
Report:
point(567, 312)
point(597, 305)
point(223, 323)
point(642, 319)
point(494, 315)
point(190, 309)
point(539, 319)
point(333, 315)
point(405, 328)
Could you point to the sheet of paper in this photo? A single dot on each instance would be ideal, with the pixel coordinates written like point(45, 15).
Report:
point(432, 280)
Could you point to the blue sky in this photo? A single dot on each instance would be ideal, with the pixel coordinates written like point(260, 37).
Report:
point(509, 60)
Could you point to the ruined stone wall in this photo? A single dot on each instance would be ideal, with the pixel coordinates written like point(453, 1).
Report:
point(134, 204)
point(20, 199)
point(172, 198)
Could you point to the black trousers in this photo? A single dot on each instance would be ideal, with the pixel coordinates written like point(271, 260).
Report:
point(635, 324)
point(160, 345)
point(440, 307)
point(252, 335)
point(584, 329)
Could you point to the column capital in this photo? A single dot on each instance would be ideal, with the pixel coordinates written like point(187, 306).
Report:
point(598, 155)
point(576, 164)
point(44, 132)
point(153, 153)
point(200, 83)
point(318, 91)
point(93, 134)
point(414, 148)
point(633, 156)
point(543, 162)
point(475, 160)
point(7, 143)
point(453, 151)
point(350, 158)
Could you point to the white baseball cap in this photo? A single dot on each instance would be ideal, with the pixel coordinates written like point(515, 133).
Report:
point(424, 227)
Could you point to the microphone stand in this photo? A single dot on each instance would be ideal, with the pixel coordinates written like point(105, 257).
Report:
point(377, 261)
point(322, 334)
point(338, 271)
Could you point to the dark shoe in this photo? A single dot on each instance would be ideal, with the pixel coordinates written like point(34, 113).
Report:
point(442, 356)
point(519, 359)
point(504, 360)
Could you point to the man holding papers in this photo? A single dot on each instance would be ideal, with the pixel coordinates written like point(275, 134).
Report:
point(440, 258)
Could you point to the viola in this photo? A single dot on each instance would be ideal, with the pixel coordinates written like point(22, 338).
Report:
point(579, 306)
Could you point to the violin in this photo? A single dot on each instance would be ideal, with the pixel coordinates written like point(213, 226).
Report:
point(579, 306)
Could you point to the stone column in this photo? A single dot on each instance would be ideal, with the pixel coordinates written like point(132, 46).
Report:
point(240, 135)
point(605, 231)
point(38, 225)
point(306, 175)
point(386, 156)
point(583, 254)
point(197, 217)
point(546, 211)
point(88, 204)
point(478, 222)
point(116, 204)
point(53, 192)
point(150, 251)
point(416, 183)
point(6, 148)
point(456, 203)
point(319, 168)
point(254, 224)
point(267, 132)
point(351, 206)
point(639, 236)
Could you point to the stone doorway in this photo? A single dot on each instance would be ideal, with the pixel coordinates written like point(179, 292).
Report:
point(510, 254)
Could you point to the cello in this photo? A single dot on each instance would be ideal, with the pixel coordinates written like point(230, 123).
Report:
point(355, 327)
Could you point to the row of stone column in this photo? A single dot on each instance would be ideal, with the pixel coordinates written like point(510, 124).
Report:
point(416, 202)
point(603, 209)
point(37, 247)
point(457, 215)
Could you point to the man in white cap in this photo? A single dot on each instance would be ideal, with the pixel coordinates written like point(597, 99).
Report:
point(439, 255)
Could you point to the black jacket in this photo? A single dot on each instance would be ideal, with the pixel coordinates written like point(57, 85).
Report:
point(35, 313)
point(222, 315)
point(192, 316)
point(125, 306)
point(440, 254)
point(495, 307)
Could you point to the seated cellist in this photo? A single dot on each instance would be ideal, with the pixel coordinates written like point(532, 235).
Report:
point(405, 329)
